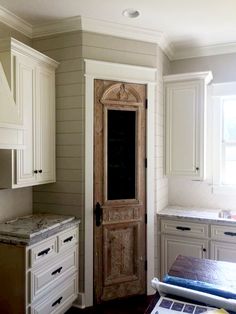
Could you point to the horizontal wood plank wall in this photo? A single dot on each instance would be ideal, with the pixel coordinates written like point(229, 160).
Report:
point(66, 196)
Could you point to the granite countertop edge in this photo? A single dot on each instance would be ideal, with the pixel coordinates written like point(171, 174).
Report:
point(39, 237)
point(194, 214)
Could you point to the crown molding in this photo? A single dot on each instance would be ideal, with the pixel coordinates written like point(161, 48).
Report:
point(57, 27)
point(103, 27)
point(15, 22)
point(119, 30)
point(205, 76)
point(114, 29)
point(203, 51)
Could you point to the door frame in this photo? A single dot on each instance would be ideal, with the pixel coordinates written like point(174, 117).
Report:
point(132, 74)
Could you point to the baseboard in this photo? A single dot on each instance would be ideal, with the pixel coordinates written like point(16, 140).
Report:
point(80, 301)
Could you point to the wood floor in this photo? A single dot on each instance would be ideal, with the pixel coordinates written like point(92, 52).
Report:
point(131, 305)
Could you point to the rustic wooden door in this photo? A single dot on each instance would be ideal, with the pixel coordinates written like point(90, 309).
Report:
point(119, 190)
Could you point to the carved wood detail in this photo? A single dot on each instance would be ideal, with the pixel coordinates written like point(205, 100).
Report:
point(119, 93)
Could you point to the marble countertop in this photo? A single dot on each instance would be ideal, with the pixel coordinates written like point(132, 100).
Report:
point(33, 228)
point(199, 214)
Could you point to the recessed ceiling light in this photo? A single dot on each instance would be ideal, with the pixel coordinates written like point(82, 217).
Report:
point(131, 13)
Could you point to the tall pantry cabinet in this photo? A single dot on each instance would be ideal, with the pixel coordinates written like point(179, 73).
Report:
point(31, 76)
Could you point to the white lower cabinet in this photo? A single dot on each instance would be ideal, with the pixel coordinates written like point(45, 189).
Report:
point(223, 244)
point(200, 240)
point(223, 251)
point(41, 278)
point(59, 300)
point(185, 238)
point(175, 245)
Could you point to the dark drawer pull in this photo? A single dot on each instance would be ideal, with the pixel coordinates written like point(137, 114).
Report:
point(68, 239)
point(58, 301)
point(232, 234)
point(183, 228)
point(44, 252)
point(57, 271)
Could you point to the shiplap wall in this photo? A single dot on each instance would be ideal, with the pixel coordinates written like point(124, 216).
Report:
point(18, 202)
point(66, 196)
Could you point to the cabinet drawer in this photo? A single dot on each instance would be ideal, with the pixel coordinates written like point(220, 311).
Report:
point(57, 302)
point(68, 238)
point(224, 233)
point(50, 274)
point(43, 251)
point(183, 227)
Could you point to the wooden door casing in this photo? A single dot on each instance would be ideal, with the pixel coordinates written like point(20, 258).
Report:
point(120, 240)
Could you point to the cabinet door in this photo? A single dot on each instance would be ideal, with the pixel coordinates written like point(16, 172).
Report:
point(171, 246)
point(24, 72)
point(45, 122)
point(222, 251)
point(184, 112)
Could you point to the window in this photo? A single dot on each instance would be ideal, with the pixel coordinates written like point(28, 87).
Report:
point(228, 141)
point(224, 138)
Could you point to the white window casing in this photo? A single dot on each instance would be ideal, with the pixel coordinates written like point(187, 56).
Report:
point(220, 93)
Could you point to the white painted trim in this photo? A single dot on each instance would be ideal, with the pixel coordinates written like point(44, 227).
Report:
point(203, 51)
point(80, 301)
point(60, 26)
point(206, 76)
point(125, 73)
point(220, 92)
point(114, 29)
point(11, 44)
point(15, 22)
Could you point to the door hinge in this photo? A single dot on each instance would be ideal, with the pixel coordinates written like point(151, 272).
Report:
point(145, 218)
point(146, 103)
point(145, 265)
point(145, 162)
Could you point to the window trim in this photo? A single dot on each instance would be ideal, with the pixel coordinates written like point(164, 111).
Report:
point(219, 93)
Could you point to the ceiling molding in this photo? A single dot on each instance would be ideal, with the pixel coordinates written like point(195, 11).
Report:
point(114, 29)
point(15, 22)
point(203, 51)
point(119, 30)
point(57, 27)
point(103, 27)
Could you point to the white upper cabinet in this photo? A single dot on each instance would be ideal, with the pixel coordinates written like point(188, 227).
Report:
point(32, 79)
point(185, 101)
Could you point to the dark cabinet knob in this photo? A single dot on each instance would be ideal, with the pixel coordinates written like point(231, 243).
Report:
point(204, 250)
point(197, 168)
point(35, 171)
point(40, 171)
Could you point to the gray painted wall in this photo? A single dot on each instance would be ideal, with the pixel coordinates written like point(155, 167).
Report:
point(222, 66)
point(66, 196)
point(185, 192)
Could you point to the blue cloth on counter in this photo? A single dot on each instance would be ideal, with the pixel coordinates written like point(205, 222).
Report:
point(199, 286)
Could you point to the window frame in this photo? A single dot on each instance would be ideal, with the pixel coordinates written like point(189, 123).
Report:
point(220, 92)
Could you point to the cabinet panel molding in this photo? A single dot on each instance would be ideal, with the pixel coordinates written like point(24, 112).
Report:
point(31, 76)
point(185, 101)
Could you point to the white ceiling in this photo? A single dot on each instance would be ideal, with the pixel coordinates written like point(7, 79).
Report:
point(186, 23)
